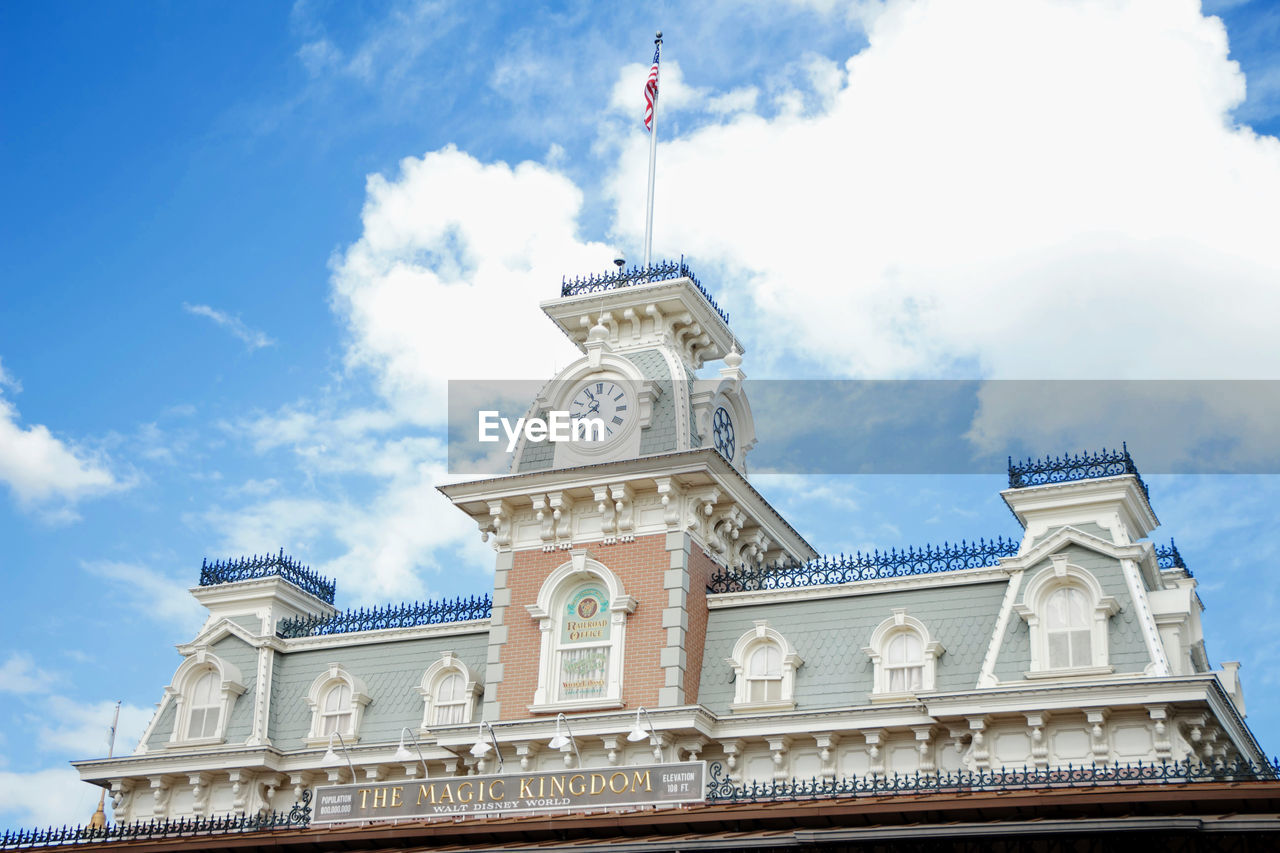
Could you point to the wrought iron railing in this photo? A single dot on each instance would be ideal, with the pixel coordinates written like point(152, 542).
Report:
point(296, 818)
point(1068, 468)
point(661, 271)
point(722, 789)
point(391, 616)
point(862, 567)
point(268, 565)
point(1168, 557)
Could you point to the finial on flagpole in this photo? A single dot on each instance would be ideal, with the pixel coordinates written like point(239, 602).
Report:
point(657, 37)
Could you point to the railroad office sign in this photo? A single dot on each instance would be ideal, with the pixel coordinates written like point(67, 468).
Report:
point(511, 793)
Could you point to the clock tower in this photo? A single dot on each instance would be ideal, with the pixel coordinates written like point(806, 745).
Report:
point(643, 335)
point(605, 545)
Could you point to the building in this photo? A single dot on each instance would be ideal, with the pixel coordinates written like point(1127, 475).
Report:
point(650, 607)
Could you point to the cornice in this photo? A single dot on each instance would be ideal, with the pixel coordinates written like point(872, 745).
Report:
point(706, 462)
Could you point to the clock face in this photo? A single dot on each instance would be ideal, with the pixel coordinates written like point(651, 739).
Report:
point(606, 401)
point(722, 431)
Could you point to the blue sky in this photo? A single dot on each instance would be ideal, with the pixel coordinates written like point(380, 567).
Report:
point(245, 245)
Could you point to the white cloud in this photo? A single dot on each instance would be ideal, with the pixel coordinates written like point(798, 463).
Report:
point(382, 549)
point(151, 594)
point(82, 729)
point(253, 339)
point(1019, 189)
point(45, 473)
point(447, 238)
point(19, 674)
point(53, 796)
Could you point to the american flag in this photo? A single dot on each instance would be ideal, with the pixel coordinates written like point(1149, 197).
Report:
point(651, 92)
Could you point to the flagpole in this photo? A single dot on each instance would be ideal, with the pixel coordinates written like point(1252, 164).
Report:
point(653, 159)
point(99, 819)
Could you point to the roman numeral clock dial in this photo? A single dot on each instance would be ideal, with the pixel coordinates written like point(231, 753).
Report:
point(603, 400)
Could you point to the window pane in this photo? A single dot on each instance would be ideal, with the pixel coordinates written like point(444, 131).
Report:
point(755, 691)
point(1067, 608)
point(773, 690)
point(338, 698)
point(205, 690)
point(450, 688)
point(446, 715)
point(765, 662)
point(1080, 652)
point(897, 680)
point(915, 677)
point(904, 648)
point(583, 673)
point(1059, 650)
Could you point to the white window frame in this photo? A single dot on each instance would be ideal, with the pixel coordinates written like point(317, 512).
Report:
point(188, 674)
point(898, 623)
point(548, 611)
point(319, 691)
point(1033, 609)
point(448, 665)
point(762, 635)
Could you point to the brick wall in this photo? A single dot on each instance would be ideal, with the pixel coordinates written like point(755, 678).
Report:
point(639, 566)
point(701, 567)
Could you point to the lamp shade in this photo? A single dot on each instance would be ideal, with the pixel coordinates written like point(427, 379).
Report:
point(558, 741)
point(329, 757)
point(637, 734)
point(402, 754)
point(480, 749)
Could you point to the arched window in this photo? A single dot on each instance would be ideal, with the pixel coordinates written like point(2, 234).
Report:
point(448, 691)
point(764, 674)
point(1067, 628)
point(904, 662)
point(204, 689)
point(582, 611)
point(206, 706)
point(449, 700)
point(764, 667)
point(903, 656)
point(336, 712)
point(337, 700)
point(1066, 613)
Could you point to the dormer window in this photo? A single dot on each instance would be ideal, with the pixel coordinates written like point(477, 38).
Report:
point(449, 691)
point(204, 689)
point(904, 663)
point(1067, 615)
point(764, 674)
point(206, 706)
point(1067, 628)
point(337, 700)
point(336, 712)
point(764, 670)
point(904, 658)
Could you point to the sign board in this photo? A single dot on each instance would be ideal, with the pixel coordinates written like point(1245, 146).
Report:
point(514, 793)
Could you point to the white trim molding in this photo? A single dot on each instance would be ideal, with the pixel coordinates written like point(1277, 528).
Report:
point(763, 636)
point(316, 694)
point(230, 684)
point(898, 624)
point(447, 665)
point(1032, 609)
